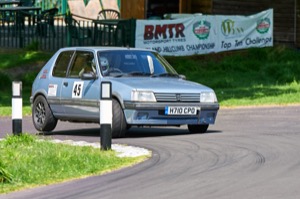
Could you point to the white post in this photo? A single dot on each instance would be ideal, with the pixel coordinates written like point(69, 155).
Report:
point(17, 104)
point(105, 115)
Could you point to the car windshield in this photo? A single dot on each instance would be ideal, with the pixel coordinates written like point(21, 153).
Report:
point(134, 63)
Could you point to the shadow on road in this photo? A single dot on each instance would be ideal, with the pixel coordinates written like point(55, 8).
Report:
point(159, 132)
point(137, 132)
point(93, 132)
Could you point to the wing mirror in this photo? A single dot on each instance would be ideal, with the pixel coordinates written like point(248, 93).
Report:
point(182, 77)
point(88, 76)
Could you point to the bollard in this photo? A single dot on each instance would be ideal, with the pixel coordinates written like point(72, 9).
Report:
point(17, 107)
point(105, 115)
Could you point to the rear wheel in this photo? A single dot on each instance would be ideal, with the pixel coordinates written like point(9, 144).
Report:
point(198, 128)
point(42, 116)
point(119, 125)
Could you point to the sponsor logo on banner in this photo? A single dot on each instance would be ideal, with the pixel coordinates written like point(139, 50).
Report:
point(202, 29)
point(164, 32)
point(263, 25)
point(229, 28)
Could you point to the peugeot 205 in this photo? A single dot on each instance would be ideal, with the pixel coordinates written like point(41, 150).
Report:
point(146, 91)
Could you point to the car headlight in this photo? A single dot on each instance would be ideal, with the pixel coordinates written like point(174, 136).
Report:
point(208, 97)
point(142, 96)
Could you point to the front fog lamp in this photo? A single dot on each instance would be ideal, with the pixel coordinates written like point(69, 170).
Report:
point(142, 96)
point(208, 97)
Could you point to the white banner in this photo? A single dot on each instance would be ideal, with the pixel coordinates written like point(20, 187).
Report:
point(202, 34)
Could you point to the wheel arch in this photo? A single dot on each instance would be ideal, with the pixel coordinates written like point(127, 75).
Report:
point(38, 93)
point(119, 99)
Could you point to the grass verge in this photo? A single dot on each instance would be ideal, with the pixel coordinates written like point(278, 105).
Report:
point(27, 162)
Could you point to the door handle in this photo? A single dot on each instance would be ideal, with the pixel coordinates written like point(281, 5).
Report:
point(65, 83)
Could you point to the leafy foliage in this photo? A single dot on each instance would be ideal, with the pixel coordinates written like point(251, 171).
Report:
point(5, 176)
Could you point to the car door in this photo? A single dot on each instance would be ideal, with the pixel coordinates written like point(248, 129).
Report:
point(59, 74)
point(80, 96)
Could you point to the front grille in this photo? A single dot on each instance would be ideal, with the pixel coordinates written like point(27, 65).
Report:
point(177, 97)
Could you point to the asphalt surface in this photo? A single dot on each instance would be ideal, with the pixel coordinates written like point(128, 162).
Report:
point(249, 153)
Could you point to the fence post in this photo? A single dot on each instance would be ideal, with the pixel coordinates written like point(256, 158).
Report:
point(17, 107)
point(132, 29)
point(19, 28)
point(105, 115)
point(69, 34)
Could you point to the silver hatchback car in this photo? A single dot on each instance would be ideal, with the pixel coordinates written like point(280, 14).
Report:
point(146, 91)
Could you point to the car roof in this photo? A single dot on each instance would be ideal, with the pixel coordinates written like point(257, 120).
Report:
point(101, 48)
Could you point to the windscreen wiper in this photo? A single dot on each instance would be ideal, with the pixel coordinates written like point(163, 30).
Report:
point(165, 75)
point(137, 73)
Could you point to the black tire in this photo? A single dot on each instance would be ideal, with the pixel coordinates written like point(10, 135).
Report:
point(42, 116)
point(198, 128)
point(119, 125)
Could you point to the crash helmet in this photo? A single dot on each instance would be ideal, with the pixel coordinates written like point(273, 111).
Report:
point(104, 65)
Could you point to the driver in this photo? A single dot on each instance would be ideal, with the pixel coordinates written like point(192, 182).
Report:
point(93, 65)
point(90, 67)
point(104, 65)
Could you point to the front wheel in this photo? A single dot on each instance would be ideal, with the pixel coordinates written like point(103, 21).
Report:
point(119, 125)
point(198, 128)
point(42, 116)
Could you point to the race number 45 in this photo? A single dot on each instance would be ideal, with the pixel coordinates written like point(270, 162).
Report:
point(77, 90)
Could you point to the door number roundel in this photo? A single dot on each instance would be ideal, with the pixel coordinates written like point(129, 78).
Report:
point(77, 90)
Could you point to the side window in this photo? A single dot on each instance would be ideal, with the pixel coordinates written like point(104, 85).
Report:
point(83, 63)
point(62, 63)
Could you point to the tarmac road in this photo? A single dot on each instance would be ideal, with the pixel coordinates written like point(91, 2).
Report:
point(249, 153)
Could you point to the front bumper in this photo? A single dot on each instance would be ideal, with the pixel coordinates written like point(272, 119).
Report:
point(154, 114)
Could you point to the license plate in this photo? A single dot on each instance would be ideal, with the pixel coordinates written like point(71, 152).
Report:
point(181, 110)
